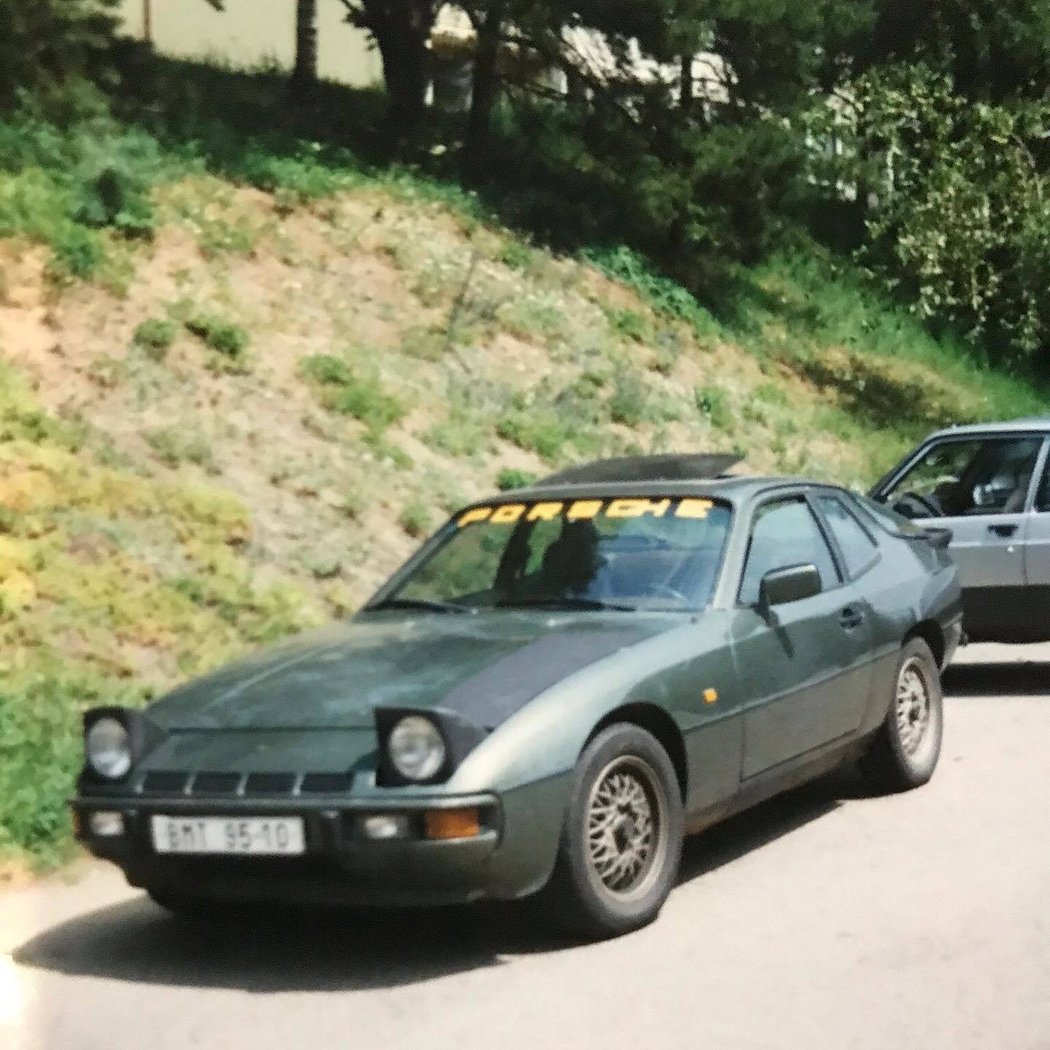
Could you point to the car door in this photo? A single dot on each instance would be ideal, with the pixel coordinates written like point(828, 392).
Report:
point(1037, 555)
point(978, 486)
point(801, 666)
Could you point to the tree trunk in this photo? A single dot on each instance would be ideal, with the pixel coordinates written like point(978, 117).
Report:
point(484, 94)
point(304, 73)
point(685, 83)
point(405, 60)
point(401, 29)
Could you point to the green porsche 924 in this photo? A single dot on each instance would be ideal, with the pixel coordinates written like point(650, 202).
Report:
point(559, 685)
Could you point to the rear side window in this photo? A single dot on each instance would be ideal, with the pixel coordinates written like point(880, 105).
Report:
point(785, 533)
point(858, 548)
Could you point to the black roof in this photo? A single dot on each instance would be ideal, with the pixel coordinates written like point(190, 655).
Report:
point(673, 466)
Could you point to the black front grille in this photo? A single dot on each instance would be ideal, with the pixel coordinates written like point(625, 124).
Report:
point(164, 782)
point(269, 784)
point(219, 784)
point(326, 783)
point(216, 783)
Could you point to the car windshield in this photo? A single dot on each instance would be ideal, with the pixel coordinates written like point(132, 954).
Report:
point(590, 554)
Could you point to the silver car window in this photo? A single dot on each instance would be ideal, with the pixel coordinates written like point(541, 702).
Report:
point(954, 478)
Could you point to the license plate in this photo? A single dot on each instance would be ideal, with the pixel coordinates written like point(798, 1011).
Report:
point(257, 836)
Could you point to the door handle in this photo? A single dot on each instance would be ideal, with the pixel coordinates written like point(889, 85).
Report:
point(851, 618)
point(1003, 529)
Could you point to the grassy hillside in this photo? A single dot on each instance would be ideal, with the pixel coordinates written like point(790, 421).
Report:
point(235, 427)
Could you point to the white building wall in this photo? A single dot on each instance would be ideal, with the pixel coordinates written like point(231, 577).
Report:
point(251, 32)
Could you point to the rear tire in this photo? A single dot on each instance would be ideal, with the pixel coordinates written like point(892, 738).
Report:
point(904, 751)
point(621, 842)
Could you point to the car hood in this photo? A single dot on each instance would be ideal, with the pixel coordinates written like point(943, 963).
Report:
point(484, 666)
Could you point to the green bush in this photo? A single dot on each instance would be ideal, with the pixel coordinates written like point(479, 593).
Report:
point(629, 403)
point(415, 519)
point(713, 403)
point(962, 223)
point(224, 337)
point(360, 396)
point(155, 336)
point(46, 46)
point(512, 478)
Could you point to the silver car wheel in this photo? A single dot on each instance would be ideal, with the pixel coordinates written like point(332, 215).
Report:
point(913, 706)
point(626, 827)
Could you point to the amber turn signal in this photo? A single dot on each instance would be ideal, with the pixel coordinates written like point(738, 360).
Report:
point(453, 823)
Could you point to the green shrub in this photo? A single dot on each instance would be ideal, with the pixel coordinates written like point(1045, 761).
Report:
point(512, 478)
point(226, 338)
point(155, 336)
point(516, 255)
point(629, 402)
point(181, 444)
point(360, 396)
point(665, 296)
point(541, 432)
point(630, 324)
point(47, 46)
point(415, 519)
point(714, 404)
point(40, 753)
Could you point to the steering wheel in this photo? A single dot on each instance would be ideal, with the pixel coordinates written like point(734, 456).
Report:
point(912, 505)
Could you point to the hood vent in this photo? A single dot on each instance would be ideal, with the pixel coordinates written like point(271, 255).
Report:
point(326, 783)
point(269, 784)
point(219, 785)
point(215, 784)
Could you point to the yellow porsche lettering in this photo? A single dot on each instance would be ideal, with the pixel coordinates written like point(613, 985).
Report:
point(693, 508)
point(471, 516)
point(635, 508)
point(507, 514)
point(584, 508)
point(710, 696)
point(545, 512)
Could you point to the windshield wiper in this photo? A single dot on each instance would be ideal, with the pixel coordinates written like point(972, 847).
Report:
point(430, 604)
point(563, 602)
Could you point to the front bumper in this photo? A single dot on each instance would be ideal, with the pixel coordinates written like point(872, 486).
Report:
point(339, 865)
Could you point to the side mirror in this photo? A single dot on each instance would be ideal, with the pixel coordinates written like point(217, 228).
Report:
point(941, 539)
point(790, 584)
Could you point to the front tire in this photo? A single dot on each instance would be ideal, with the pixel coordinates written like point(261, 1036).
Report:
point(904, 751)
point(621, 843)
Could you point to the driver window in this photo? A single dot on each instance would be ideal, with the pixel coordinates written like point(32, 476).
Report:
point(968, 477)
point(782, 534)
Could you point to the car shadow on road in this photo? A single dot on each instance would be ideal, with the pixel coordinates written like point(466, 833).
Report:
point(756, 827)
point(297, 950)
point(998, 679)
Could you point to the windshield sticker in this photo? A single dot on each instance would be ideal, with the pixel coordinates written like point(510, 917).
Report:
point(585, 510)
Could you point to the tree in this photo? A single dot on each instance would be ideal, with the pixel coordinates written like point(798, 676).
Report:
point(304, 72)
point(46, 43)
point(993, 50)
point(962, 223)
point(401, 29)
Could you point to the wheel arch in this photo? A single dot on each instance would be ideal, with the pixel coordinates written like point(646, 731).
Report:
point(932, 634)
point(660, 724)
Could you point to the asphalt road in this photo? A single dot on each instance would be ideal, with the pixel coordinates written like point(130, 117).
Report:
point(823, 919)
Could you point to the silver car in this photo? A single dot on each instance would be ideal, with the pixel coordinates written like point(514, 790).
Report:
point(989, 483)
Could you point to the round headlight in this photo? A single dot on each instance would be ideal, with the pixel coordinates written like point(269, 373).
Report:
point(416, 748)
point(108, 748)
